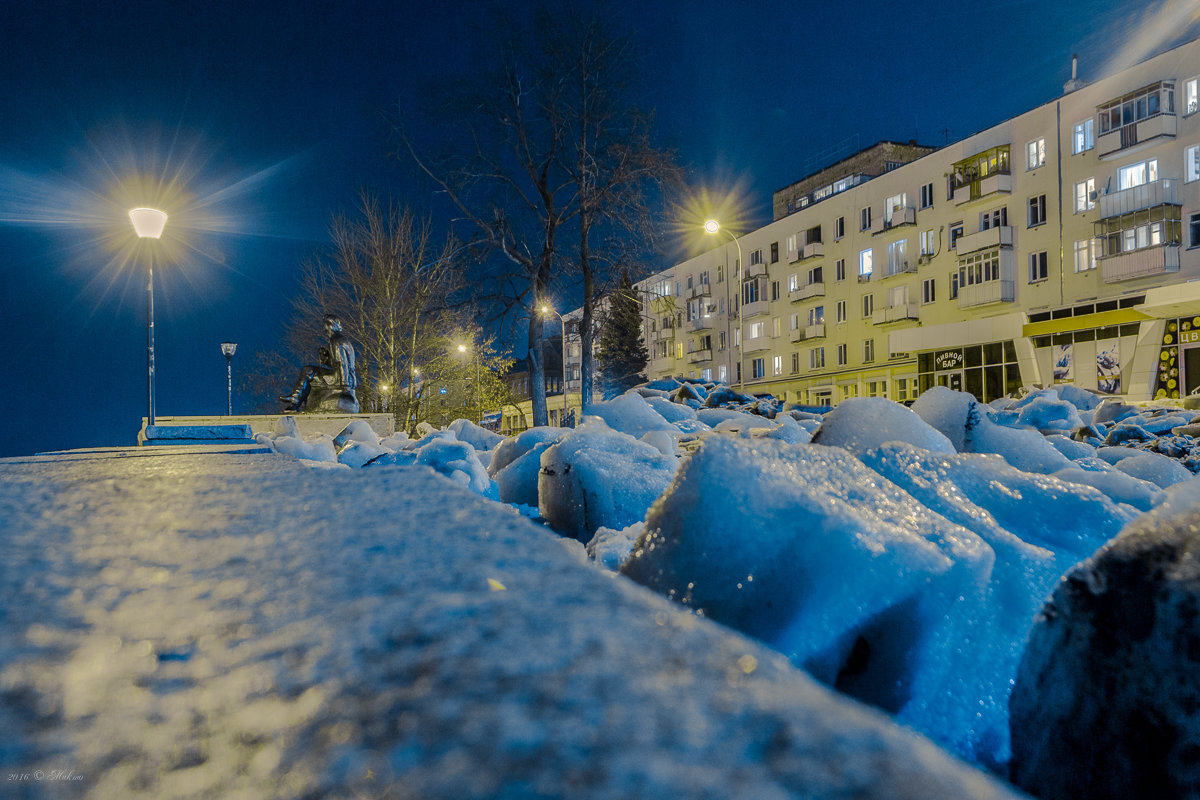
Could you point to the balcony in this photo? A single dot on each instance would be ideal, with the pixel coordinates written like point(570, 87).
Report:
point(901, 215)
point(1139, 198)
point(896, 313)
point(663, 335)
point(978, 189)
point(810, 250)
point(816, 331)
point(1140, 263)
point(901, 267)
point(807, 292)
point(1001, 236)
point(1117, 140)
point(701, 290)
point(864, 277)
point(757, 344)
point(700, 355)
point(754, 271)
point(700, 324)
point(755, 309)
point(986, 293)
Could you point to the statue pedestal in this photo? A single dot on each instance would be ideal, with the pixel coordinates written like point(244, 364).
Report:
point(218, 430)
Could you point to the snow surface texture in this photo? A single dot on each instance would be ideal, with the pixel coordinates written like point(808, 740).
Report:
point(241, 626)
point(874, 575)
point(1108, 692)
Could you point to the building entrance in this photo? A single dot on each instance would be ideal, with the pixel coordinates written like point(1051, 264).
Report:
point(952, 380)
point(1191, 370)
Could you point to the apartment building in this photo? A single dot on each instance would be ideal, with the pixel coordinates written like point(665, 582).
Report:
point(1062, 245)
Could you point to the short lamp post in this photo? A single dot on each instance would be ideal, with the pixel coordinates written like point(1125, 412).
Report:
point(462, 348)
point(148, 223)
point(228, 349)
point(548, 310)
point(712, 227)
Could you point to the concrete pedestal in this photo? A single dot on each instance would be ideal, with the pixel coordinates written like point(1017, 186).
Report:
point(241, 428)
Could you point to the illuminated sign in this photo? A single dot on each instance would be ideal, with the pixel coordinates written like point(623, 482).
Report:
point(948, 359)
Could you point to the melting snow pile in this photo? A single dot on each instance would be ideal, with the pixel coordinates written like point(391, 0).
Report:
point(900, 555)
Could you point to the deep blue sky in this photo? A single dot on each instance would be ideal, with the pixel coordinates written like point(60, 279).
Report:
point(272, 112)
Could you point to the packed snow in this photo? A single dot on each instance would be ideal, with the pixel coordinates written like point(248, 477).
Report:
point(898, 554)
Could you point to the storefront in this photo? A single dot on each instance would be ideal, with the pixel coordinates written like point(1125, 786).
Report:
point(1178, 371)
point(988, 371)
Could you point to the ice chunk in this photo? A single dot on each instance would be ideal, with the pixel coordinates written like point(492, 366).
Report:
point(595, 477)
point(514, 447)
point(715, 416)
point(448, 456)
point(662, 441)
point(1081, 399)
point(357, 454)
point(1155, 468)
point(315, 448)
point(629, 413)
point(610, 548)
point(1045, 411)
point(1070, 448)
point(671, 412)
point(860, 423)
point(474, 435)
point(286, 426)
point(358, 430)
point(787, 430)
point(1118, 486)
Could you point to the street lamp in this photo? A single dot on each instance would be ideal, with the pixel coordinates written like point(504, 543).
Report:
point(148, 223)
point(712, 226)
point(562, 323)
point(383, 389)
point(228, 349)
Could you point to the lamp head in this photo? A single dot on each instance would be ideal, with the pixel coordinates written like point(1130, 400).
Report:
point(711, 226)
point(383, 387)
point(545, 309)
point(228, 349)
point(148, 223)
point(462, 348)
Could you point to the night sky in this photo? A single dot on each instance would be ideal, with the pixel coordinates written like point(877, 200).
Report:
point(270, 117)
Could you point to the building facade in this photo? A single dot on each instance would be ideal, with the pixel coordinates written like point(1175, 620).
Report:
point(1062, 245)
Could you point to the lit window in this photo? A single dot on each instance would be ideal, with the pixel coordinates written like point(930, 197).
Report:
point(897, 257)
point(816, 316)
point(865, 263)
point(1085, 258)
point(928, 243)
point(1137, 174)
point(1191, 163)
point(1035, 154)
point(1085, 191)
point(777, 365)
point(1083, 138)
point(1191, 96)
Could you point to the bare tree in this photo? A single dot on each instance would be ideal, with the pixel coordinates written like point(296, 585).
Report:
point(395, 291)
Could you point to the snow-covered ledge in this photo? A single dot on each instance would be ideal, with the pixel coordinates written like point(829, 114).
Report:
point(384, 425)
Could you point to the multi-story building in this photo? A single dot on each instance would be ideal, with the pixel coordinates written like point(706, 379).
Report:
point(1062, 245)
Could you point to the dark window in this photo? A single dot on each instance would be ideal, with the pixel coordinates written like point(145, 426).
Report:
point(774, 252)
point(1037, 210)
point(1038, 271)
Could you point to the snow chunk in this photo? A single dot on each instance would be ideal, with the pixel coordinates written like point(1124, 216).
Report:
point(1155, 468)
point(357, 454)
point(671, 412)
point(472, 434)
point(595, 476)
point(1070, 448)
point(517, 482)
point(316, 448)
point(514, 447)
point(443, 453)
point(629, 413)
point(611, 548)
point(1121, 488)
point(1046, 411)
point(358, 430)
point(860, 423)
point(715, 416)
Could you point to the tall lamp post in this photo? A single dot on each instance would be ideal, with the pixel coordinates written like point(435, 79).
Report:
point(148, 223)
point(462, 348)
point(563, 325)
point(228, 349)
point(712, 226)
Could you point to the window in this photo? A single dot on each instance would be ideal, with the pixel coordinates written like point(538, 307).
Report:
point(928, 295)
point(1084, 192)
point(839, 228)
point(775, 327)
point(816, 275)
point(794, 321)
point(954, 285)
point(956, 230)
point(868, 350)
point(996, 218)
point(774, 291)
point(777, 365)
point(868, 305)
point(1194, 230)
point(758, 368)
point(795, 363)
point(841, 304)
point(721, 340)
point(1037, 210)
point(704, 277)
point(750, 292)
point(927, 195)
point(897, 257)
point(1035, 154)
point(756, 257)
point(1191, 163)
point(865, 263)
point(1037, 267)
point(816, 316)
point(816, 358)
point(758, 330)
point(1153, 227)
point(1137, 174)
point(774, 252)
point(977, 268)
point(1191, 97)
point(927, 242)
point(793, 282)
point(839, 269)
point(722, 374)
point(894, 209)
point(841, 355)
point(689, 281)
point(864, 219)
point(1083, 138)
point(1085, 255)
point(1158, 98)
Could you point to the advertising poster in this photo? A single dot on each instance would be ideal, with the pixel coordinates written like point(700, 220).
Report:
point(1108, 367)
point(1063, 356)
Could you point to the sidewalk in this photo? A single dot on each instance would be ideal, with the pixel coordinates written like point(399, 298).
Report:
point(223, 624)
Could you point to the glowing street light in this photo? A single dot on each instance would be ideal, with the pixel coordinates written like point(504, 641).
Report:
point(548, 310)
point(383, 389)
point(148, 223)
point(462, 348)
point(227, 350)
point(711, 226)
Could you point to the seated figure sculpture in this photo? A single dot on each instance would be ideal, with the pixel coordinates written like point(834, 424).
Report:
point(330, 385)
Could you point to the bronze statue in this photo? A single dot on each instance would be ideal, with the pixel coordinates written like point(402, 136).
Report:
point(330, 385)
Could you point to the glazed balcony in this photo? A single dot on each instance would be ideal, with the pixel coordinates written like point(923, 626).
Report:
point(986, 293)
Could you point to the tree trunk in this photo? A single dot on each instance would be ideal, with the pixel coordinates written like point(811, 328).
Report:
point(587, 363)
